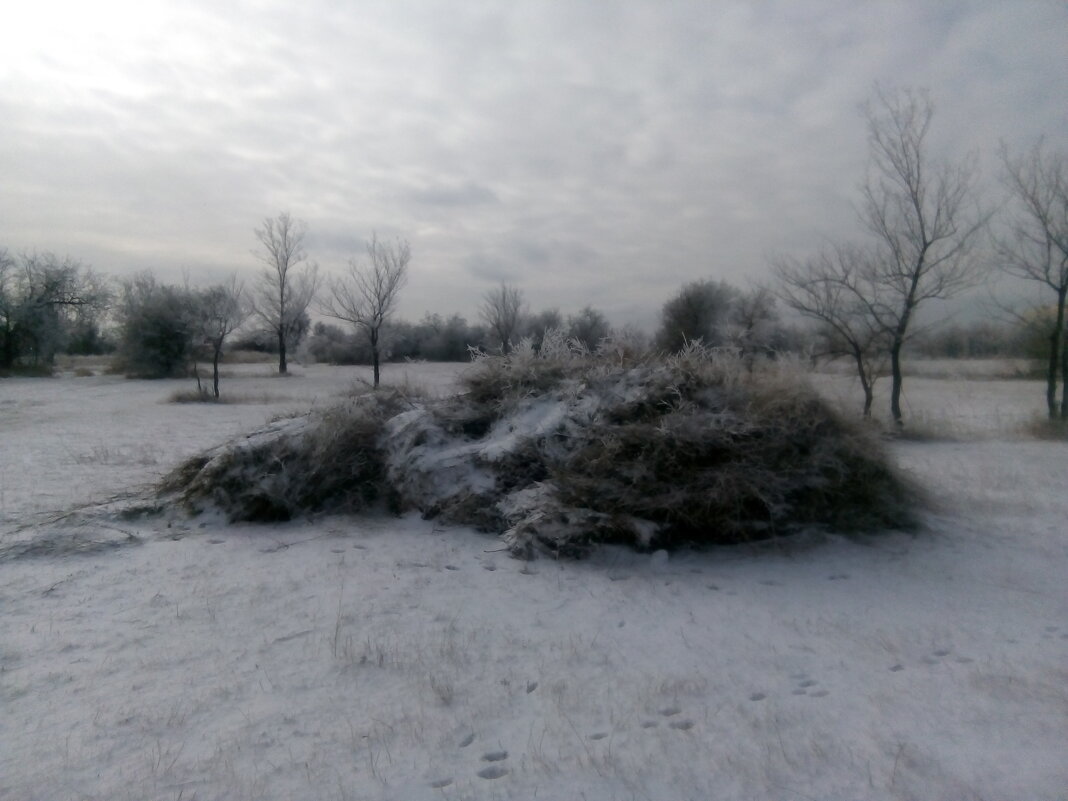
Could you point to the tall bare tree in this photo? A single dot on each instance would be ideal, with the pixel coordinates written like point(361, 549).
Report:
point(835, 289)
point(367, 296)
point(288, 282)
point(220, 310)
point(1035, 247)
point(502, 311)
point(922, 215)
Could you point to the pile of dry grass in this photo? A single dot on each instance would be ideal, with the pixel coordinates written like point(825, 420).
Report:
point(561, 449)
point(322, 461)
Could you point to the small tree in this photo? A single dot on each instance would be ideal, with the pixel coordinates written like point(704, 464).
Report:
point(41, 298)
point(158, 327)
point(287, 284)
point(830, 289)
point(699, 312)
point(920, 212)
point(220, 310)
point(536, 325)
point(589, 327)
point(367, 296)
point(1035, 248)
point(502, 310)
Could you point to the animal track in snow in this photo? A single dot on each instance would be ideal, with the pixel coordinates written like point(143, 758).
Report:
point(600, 735)
point(466, 741)
point(440, 783)
point(451, 567)
point(681, 725)
point(495, 756)
point(493, 772)
point(531, 687)
point(650, 724)
point(897, 668)
point(757, 697)
point(670, 711)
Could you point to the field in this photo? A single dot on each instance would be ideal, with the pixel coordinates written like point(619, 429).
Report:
point(392, 658)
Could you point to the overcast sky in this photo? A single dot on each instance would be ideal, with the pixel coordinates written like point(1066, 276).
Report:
point(590, 152)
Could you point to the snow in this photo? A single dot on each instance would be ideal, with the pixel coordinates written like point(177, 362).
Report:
point(377, 657)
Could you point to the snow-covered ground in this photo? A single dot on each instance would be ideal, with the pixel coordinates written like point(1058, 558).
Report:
point(375, 657)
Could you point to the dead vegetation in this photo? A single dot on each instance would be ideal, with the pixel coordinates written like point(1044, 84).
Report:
point(561, 449)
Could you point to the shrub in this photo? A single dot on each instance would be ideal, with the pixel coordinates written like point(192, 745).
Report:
point(561, 449)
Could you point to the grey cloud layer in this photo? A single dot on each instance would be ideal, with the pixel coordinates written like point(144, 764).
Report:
point(592, 152)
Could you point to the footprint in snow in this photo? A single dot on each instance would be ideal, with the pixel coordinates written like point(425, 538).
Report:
point(670, 711)
point(493, 772)
point(489, 566)
point(495, 756)
point(440, 783)
point(941, 652)
point(531, 687)
point(757, 697)
point(681, 725)
point(600, 735)
point(451, 567)
point(650, 724)
point(466, 741)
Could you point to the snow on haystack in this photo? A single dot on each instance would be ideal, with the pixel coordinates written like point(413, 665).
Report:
point(560, 449)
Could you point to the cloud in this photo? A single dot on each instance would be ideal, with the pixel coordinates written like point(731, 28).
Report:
point(598, 153)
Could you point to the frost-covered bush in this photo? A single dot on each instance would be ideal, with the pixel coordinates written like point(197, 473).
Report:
point(560, 449)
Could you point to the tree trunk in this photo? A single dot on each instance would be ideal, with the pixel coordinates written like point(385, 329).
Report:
point(215, 371)
point(1064, 376)
point(895, 390)
point(865, 383)
point(281, 351)
point(374, 356)
point(1058, 361)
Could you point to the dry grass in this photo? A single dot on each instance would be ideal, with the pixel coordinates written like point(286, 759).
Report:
point(204, 395)
point(1045, 428)
point(327, 460)
point(563, 449)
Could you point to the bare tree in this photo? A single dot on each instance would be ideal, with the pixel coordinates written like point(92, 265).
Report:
point(367, 296)
point(700, 311)
point(220, 310)
point(589, 327)
point(502, 310)
point(831, 289)
point(920, 211)
point(1035, 248)
point(288, 283)
point(753, 324)
point(536, 326)
point(41, 295)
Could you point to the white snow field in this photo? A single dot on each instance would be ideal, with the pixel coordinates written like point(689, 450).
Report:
point(385, 658)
